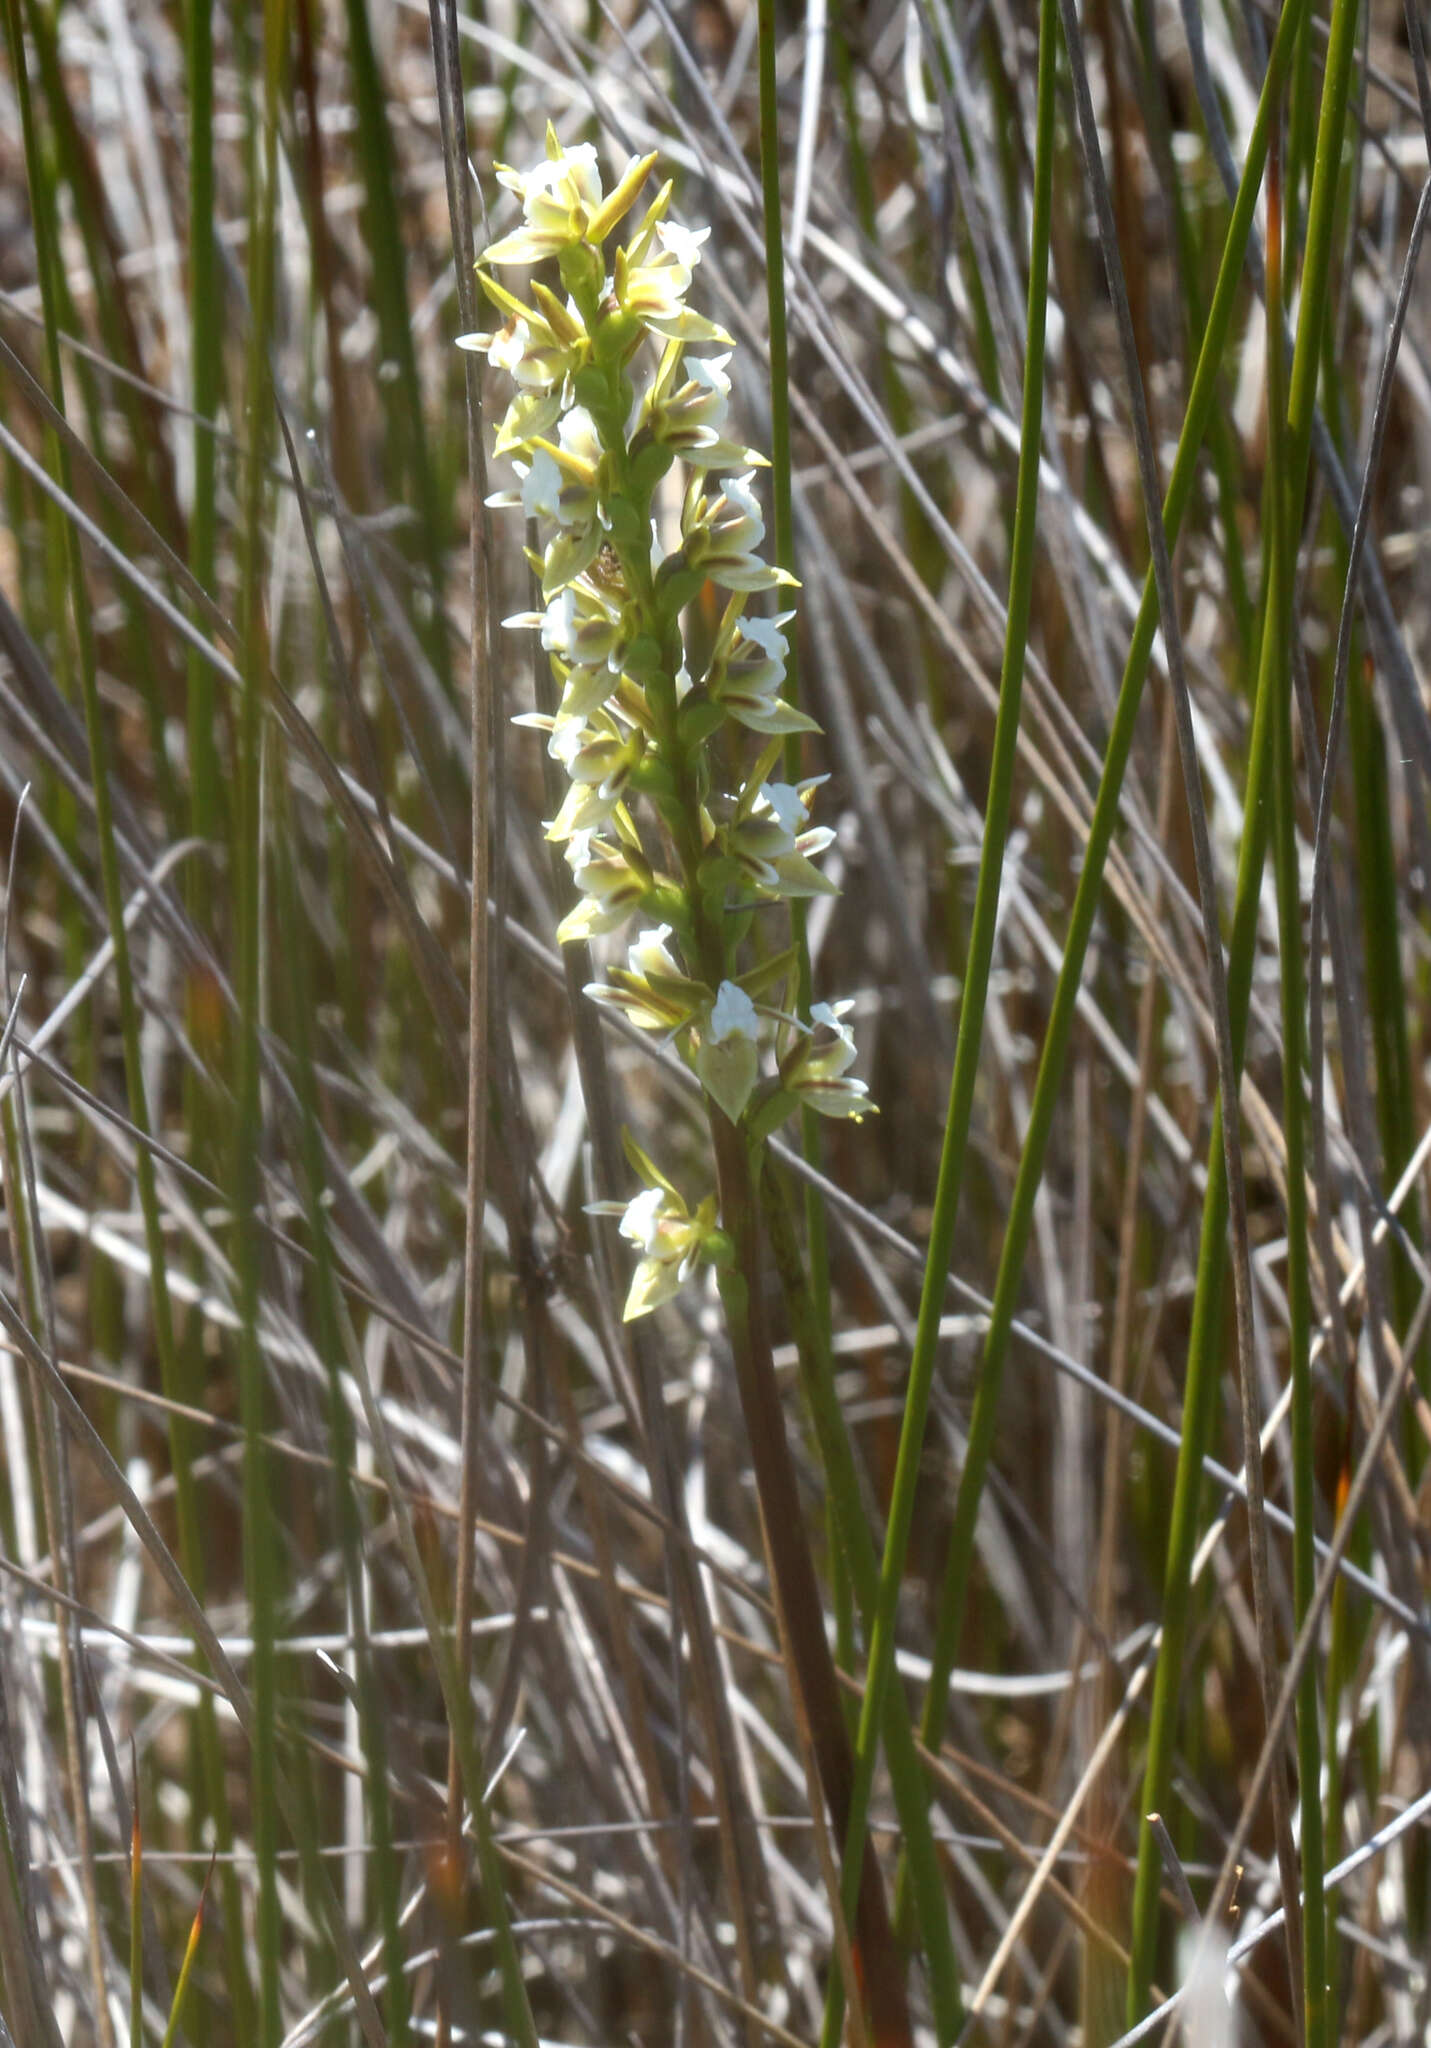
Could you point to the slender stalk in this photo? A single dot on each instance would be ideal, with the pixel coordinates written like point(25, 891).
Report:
point(480, 727)
point(797, 1590)
point(206, 341)
point(1289, 930)
point(136, 1921)
point(386, 245)
point(783, 548)
point(861, 1562)
point(260, 1548)
point(186, 1968)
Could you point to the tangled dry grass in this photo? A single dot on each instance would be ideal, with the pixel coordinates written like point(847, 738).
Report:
point(242, 575)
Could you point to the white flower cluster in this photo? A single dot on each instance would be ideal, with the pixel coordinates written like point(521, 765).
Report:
point(608, 401)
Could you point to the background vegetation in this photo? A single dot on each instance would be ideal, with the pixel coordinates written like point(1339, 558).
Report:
point(274, 1326)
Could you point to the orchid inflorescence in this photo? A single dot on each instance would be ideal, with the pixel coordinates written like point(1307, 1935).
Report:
point(609, 400)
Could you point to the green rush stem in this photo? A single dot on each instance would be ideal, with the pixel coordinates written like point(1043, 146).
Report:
point(206, 821)
point(861, 1562)
point(1085, 907)
point(783, 541)
point(1294, 1115)
point(1200, 1393)
point(136, 1927)
point(1207, 1298)
point(171, 1376)
point(971, 1013)
point(206, 341)
point(1388, 1003)
point(386, 244)
point(259, 1548)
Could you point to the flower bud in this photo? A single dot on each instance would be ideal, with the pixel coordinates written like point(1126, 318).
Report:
point(559, 199)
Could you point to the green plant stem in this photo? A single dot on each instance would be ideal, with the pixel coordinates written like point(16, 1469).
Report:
point(796, 1587)
point(1289, 931)
point(206, 821)
point(206, 345)
point(386, 244)
point(861, 1562)
point(783, 540)
point(136, 1927)
point(259, 1546)
point(971, 1015)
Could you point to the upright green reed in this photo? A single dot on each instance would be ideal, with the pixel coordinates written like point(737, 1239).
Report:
point(261, 1558)
point(378, 160)
point(976, 978)
point(206, 347)
point(1289, 931)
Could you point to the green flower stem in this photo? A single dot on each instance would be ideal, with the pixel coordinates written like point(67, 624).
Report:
point(1045, 1099)
point(971, 1016)
point(796, 1587)
point(861, 1562)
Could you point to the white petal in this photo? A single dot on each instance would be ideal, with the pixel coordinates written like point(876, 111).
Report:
point(733, 1014)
